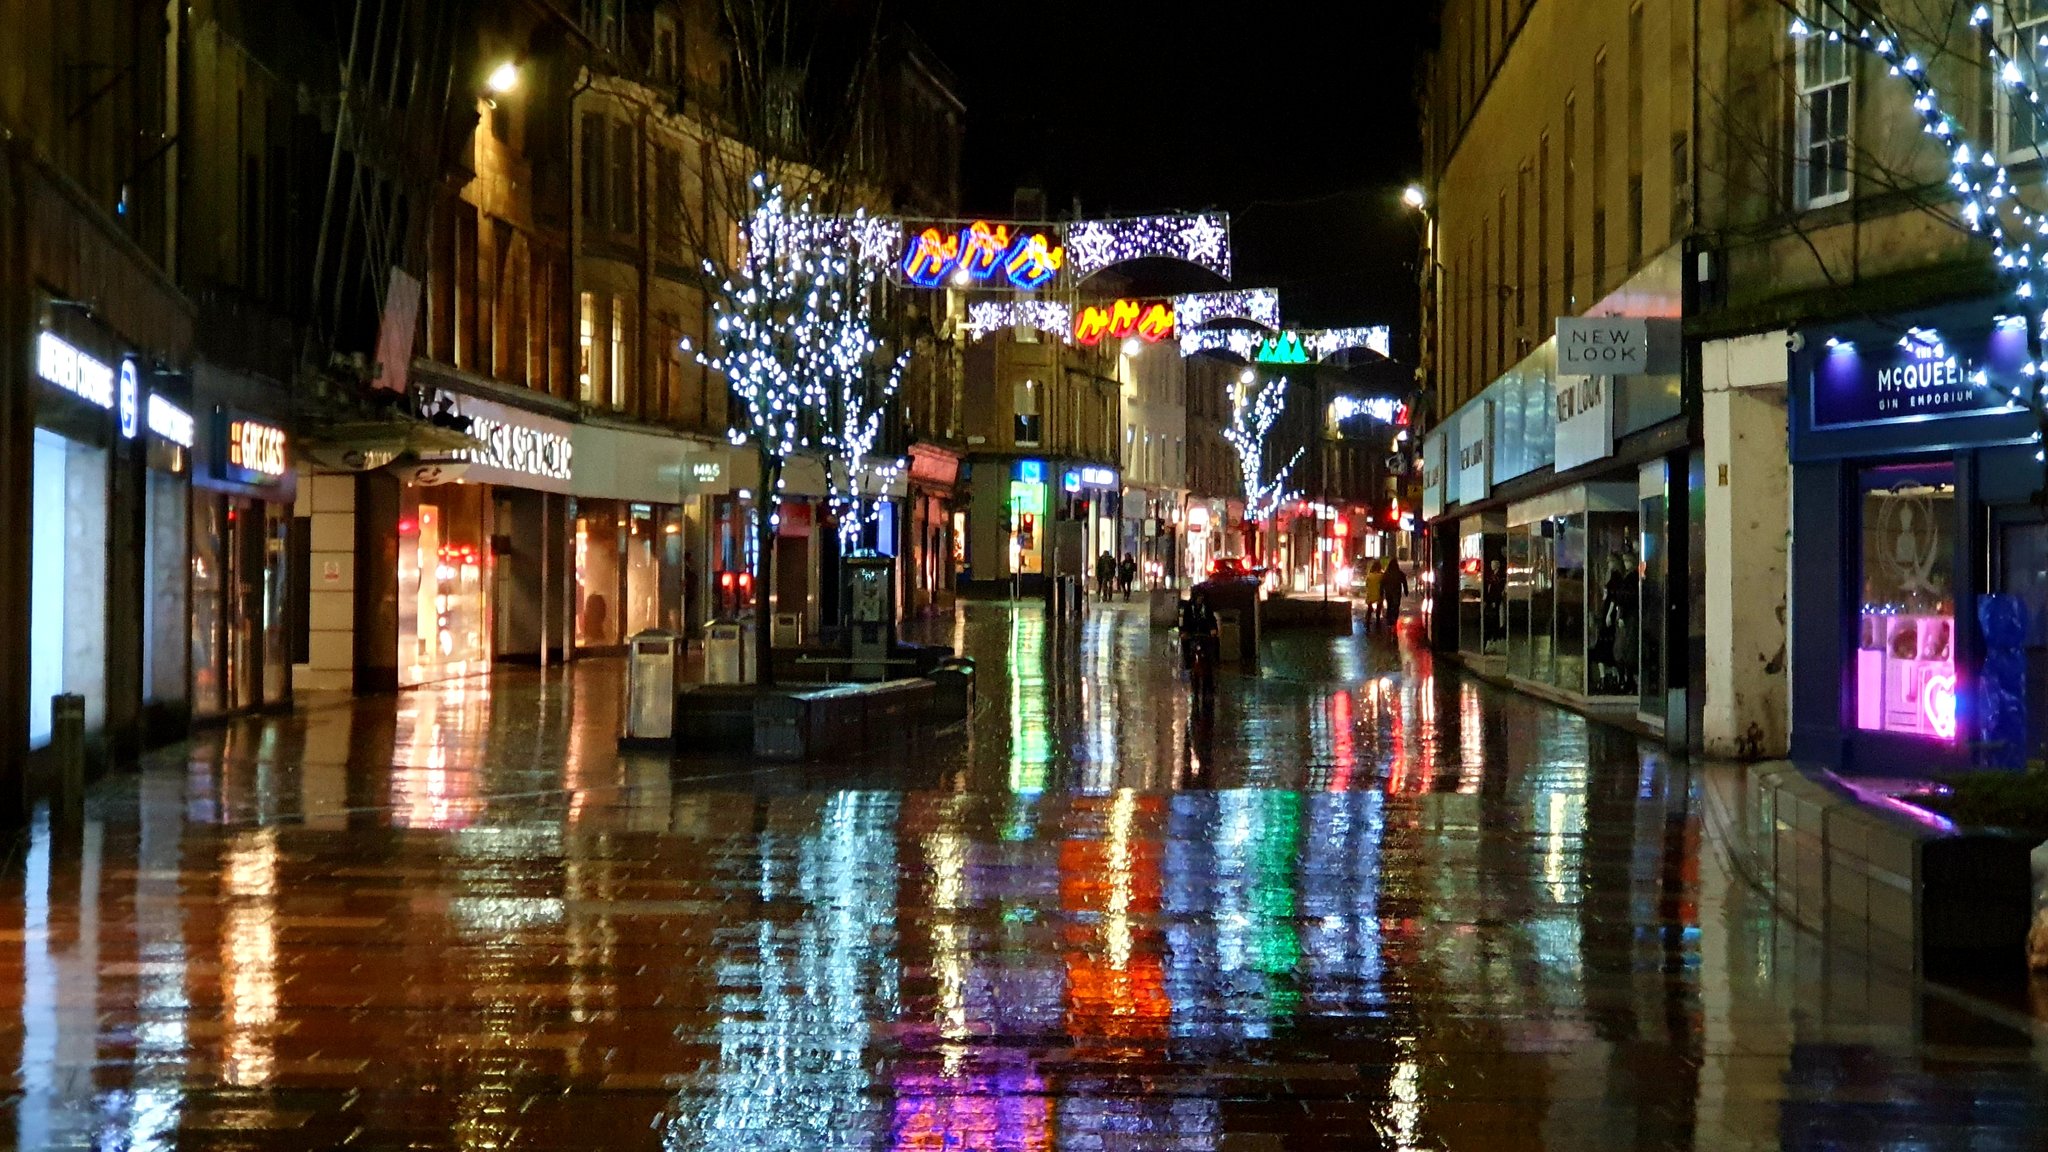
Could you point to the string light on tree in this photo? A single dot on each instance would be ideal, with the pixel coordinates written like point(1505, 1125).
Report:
point(1252, 416)
point(792, 337)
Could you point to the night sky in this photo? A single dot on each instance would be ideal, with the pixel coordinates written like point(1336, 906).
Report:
point(1297, 117)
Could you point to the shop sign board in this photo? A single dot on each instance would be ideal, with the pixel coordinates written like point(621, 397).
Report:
point(252, 451)
point(1433, 473)
point(523, 449)
point(1583, 430)
point(704, 475)
point(130, 400)
point(62, 364)
point(1603, 346)
point(1089, 477)
point(170, 422)
point(1474, 446)
point(1922, 375)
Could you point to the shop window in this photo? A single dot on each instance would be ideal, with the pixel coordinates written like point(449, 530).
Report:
point(643, 570)
point(164, 608)
point(1905, 661)
point(67, 581)
point(598, 552)
point(209, 599)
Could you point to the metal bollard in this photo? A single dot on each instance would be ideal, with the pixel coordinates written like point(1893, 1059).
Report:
point(67, 748)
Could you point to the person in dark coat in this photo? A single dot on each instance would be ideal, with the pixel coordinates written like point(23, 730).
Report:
point(1127, 575)
point(1393, 590)
point(1105, 574)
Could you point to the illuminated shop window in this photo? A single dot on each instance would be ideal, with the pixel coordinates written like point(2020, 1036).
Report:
point(1905, 659)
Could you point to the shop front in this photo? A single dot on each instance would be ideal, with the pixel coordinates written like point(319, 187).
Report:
point(1204, 528)
point(929, 530)
point(1006, 533)
point(84, 404)
point(1919, 549)
point(1551, 503)
point(484, 547)
point(1090, 505)
point(630, 531)
point(241, 517)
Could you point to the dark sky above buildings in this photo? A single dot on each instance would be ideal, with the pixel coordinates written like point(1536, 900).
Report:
point(1298, 116)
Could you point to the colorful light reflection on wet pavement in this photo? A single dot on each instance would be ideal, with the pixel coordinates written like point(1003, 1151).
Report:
point(1367, 905)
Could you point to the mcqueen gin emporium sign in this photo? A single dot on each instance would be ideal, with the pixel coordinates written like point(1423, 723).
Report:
point(1919, 376)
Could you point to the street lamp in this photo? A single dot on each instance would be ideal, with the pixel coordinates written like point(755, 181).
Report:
point(504, 79)
point(1414, 197)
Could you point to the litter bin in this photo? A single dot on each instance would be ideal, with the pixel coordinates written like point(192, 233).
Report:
point(789, 629)
point(728, 652)
point(651, 659)
point(953, 696)
point(1229, 634)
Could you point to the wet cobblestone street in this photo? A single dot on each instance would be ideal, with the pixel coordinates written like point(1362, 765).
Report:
point(1368, 904)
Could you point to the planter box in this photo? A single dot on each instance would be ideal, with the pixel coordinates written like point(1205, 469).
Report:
point(716, 719)
point(1876, 876)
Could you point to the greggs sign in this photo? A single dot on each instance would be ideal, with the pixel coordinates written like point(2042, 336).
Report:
point(1151, 320)
point(254, 452)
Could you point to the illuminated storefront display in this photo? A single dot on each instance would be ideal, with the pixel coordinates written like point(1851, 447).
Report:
point(1027, 509)
point(1918, 547)
point(1905, 658)
point(1149, 319)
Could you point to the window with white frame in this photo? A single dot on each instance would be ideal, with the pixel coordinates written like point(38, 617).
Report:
point(1825, 66)
point(2021, 26)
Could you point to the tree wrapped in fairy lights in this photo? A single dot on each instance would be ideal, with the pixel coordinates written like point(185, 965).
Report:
point(792, 335)
point(1252, 416)
point(860, 389)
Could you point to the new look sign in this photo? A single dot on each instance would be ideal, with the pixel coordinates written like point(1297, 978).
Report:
point(1603, 346)
point(1922, 375)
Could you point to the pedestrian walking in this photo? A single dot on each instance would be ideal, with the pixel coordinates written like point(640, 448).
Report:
point(1373, 577)
point(1127, 575)
point(1393, 590)
point(1105, 574)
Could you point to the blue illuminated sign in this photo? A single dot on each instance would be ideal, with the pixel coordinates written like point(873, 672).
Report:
point(1031, 471)
point(1922, 375)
